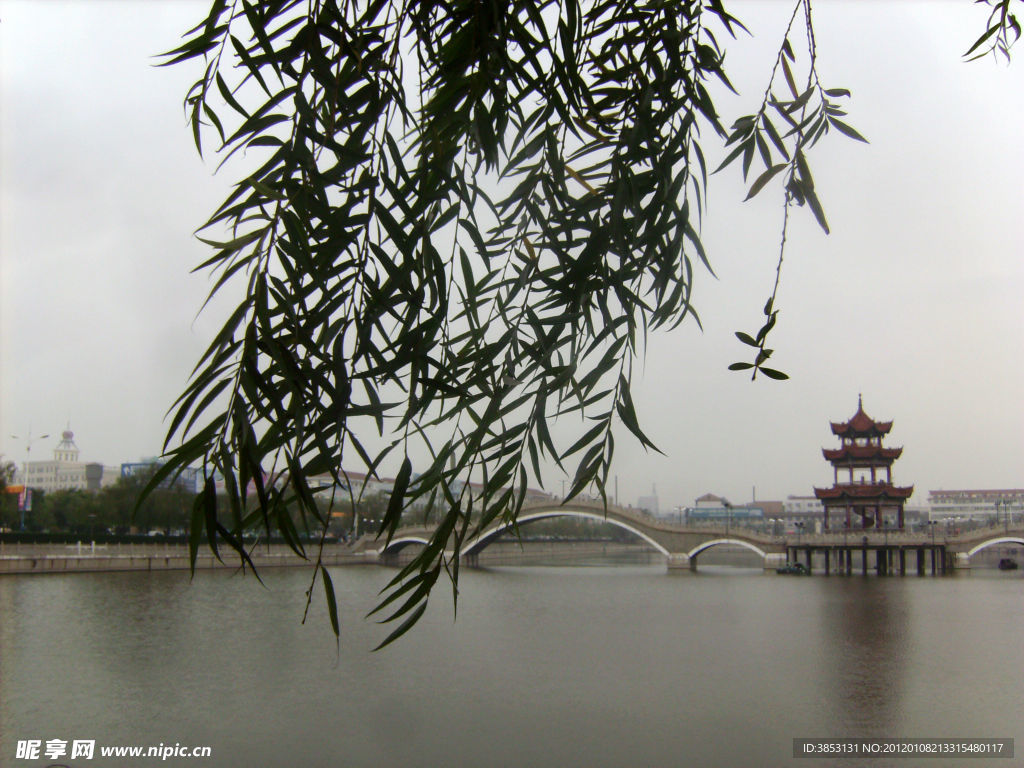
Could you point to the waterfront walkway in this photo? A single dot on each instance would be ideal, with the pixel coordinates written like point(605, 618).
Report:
point(86, 557)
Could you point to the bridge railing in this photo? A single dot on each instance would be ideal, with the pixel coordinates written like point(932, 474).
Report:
point(752, 531)
point(990, 531)
point(857, 536)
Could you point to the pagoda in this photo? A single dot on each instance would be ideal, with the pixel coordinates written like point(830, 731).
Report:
point(863, 475)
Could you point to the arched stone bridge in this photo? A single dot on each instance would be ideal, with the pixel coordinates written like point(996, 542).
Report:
point(967, 545)
point(682, 545)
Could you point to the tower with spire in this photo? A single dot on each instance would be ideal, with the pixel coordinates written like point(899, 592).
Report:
point(66, 450)
point(863, 493)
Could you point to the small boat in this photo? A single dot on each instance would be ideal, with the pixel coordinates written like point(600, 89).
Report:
point(1007, 564)
point(797, 569)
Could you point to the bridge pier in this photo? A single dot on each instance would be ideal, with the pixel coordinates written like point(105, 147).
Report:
point(681, 562)
point(371, 556)
point(878, 558)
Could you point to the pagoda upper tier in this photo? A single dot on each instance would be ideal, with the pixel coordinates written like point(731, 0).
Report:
point(875, 452)
point(861, 425)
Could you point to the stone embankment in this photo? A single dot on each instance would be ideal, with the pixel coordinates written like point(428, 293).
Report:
point(86, 557)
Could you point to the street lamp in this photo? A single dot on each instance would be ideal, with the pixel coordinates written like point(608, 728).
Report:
point(799, 531)
point(28, 455)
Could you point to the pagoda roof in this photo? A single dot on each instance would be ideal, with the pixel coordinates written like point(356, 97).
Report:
point(860, 424)
point(862, 452)
point(864, 491)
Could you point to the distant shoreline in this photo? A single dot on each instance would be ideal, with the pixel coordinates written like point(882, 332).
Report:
point(28, 559)
point(21, 559)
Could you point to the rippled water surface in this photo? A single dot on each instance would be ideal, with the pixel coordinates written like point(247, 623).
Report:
point(599, 666)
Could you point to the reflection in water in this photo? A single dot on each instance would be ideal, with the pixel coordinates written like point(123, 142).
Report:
point(864, 659)
point(602, 666)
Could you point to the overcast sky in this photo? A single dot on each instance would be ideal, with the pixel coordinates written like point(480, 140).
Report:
point(914, 300)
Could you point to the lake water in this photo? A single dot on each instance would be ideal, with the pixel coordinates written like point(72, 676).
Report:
point(545, 666)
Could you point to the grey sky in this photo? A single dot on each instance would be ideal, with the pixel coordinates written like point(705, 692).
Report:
point(913, 300)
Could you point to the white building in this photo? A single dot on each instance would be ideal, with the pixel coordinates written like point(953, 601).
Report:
point(65, 472)
point(978, 505)
point(799, 507)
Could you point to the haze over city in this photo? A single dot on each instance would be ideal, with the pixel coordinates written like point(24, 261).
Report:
point(913, 300)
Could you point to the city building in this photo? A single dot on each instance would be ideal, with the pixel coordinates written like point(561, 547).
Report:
point(803, 508)
point(716, 508)
point(805, 513)
point(650, 503)
point(916, 516)
point(995, 505)
point(65, 472)
point(862, 470)
point(190, 479)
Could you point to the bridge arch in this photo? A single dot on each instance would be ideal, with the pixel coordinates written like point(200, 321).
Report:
point(401, 542)
point(993, 542)
point(717, 542)
point(475, 545)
